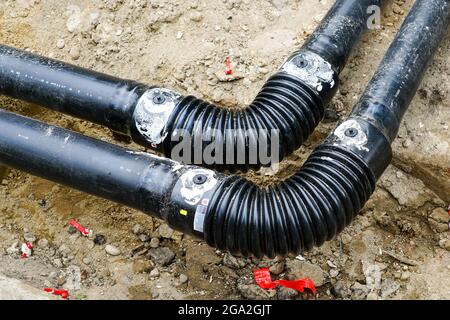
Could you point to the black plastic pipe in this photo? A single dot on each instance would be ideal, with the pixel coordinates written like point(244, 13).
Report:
point(231, 213)
point(139, 180)
point(281, 118)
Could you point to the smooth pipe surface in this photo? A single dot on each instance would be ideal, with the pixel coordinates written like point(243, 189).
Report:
point(390, 92)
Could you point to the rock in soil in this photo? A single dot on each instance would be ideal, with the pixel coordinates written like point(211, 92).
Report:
point(303, 269)
point(359, 291)
point(233, 262)
point(287, 294)
point(112, 250)
point(254, 292)
point(162, 256)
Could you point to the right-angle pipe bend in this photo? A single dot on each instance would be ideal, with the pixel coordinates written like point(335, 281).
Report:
point(334, 184)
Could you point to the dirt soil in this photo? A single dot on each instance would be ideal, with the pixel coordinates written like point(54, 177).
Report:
point(397, 248)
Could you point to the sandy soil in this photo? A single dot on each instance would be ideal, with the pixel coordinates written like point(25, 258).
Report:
point(397, 248)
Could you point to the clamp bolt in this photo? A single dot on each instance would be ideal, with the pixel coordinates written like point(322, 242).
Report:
point(200, 179)
point(351, 132)
point(301, 62)
point(159, 98)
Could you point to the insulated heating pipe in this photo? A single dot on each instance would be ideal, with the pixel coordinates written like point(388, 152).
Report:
point(230, 212)
point(283, 115)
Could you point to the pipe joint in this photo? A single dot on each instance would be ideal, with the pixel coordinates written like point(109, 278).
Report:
point(365, 140)
point(150, 117)
point(314, 71)
point(190, 199)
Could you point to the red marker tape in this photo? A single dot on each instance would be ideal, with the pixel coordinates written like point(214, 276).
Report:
point(77, 226)
point(229, 69)
point(26, 250)
point(264, 280)
point(63, 293)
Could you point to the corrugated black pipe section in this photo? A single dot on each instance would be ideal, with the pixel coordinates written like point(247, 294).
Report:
point(321, 199)
point(291, 102)
point(288, 108)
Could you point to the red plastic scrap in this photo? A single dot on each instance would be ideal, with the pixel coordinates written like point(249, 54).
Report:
point(77, 226)
point(448, 210)
point(264, 280)
point(26, 250)
point(63, 293)
point(229, 69)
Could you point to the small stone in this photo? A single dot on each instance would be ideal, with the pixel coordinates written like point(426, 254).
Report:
point(278, 268)
point(334, 273)
point(339, 290)
point(144, 238)
point(346, 239)
point(162, 256)
point(233, 262)
point(302, 269)
point(183, 279)
point(389, 287)
point(29, 237)
point(439, 215)
point(73, 281)
point(445, 244)
point(154, 243)
point(42, 243)
point(165, 231)
point(61, 281)
point(405, 276)
point(138, 229)
point(142, 266)
point(112, 250)
point(359, 291)
point(372, 296)
point(254, 292)
point(60, 44)
point(13, 249)
point(287, 294)
point(99, 239)
point(57, 263)
point(372, 273)
point(263, 70)
point(87, 260)
point(179, 35)
point(74, 53)
point(154, 273)
point(196, 16)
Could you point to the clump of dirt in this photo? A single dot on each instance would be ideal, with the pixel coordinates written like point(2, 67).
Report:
point(398, 247)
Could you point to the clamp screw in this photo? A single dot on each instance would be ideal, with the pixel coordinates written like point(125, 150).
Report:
point(159, 98)
point(351, 132)
point(200, 179)
point(301, 62)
